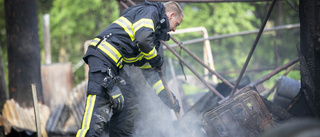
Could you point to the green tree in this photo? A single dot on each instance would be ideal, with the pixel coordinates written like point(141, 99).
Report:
point(74, 22)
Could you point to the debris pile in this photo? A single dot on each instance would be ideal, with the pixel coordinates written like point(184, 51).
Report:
point(23, 119)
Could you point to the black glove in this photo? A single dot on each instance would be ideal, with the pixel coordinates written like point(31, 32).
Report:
point(165, 99)
point(117, 98)
point(156, 62)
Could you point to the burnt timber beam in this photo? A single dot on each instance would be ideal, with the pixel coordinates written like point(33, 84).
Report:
point(310, 53)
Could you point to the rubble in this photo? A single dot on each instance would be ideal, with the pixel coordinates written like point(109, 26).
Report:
point(23, 119)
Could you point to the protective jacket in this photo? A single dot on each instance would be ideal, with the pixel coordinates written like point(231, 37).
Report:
point(133, 38)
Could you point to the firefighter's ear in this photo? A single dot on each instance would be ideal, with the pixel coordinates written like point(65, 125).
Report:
point(170, 15)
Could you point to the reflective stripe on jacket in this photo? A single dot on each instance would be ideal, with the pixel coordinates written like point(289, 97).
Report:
point(134, 35)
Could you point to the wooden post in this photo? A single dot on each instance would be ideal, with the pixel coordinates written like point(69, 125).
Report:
point(36, 109)
point(208, 55)
point(46, 36)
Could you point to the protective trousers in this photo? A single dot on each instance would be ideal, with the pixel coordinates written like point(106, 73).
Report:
point(98, 107)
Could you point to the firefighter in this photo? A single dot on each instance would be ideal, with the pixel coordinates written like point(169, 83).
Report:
point(132, 39)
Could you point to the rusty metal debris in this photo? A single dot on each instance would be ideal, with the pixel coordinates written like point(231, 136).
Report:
point(194, 72)
point(245, 115)
point(253, 47)
point(222, 36)
point(201, 62)
point(271, 74)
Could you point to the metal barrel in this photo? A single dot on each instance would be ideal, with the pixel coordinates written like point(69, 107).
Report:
point(287, 89)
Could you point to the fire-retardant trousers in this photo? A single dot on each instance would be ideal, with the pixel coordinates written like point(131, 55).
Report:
point(98, 110)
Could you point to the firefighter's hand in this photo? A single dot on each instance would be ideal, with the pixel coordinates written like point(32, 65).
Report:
point(117, 98)
point(159, 64)
point(176, 106)
point(156, 62)
point(165, 99)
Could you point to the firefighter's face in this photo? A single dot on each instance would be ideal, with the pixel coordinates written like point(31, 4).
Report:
point(174, 21)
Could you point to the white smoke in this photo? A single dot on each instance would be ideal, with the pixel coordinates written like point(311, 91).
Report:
point(154, 119)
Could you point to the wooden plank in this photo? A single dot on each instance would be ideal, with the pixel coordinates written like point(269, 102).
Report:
point(57, 82)
point(44, 116)
point(36, 109)
point(14, 113)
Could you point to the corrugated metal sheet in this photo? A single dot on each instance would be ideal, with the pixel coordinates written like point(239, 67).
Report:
point(23, 118)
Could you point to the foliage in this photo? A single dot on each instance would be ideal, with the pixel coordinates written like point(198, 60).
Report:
point(3, 47)
point(2, 28)
point(219, 18)
point(74, 22)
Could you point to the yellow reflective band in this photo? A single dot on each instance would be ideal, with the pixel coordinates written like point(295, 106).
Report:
point(158, 87)
point(148, 23)
point(108, 49)
point(122, 98)
point(95, 41)
point(133, 59)
point(146, 66)
point(113, 53)
point(91, 99)
point(119, 63)
point(115, 96)
point(151, 54)
point(126, 25)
